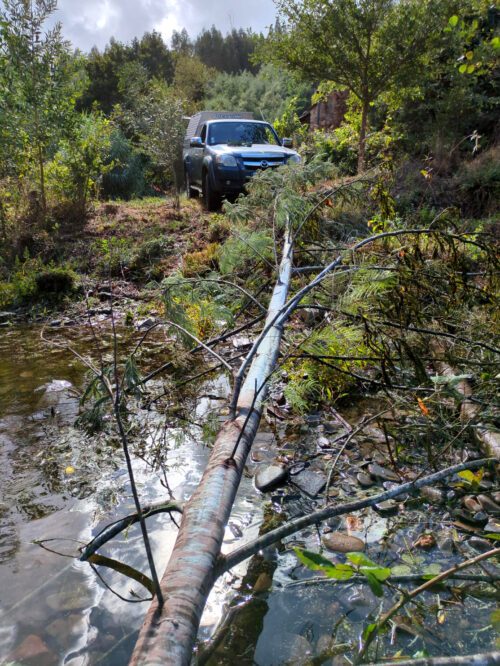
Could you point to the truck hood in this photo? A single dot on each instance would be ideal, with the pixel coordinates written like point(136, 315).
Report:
point(255, 150)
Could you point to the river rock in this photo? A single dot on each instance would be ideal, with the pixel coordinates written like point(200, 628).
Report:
point(482, 545)
point(4, 316)
point(72, 598)
point(433, 495)
point(240, 342)
point(270, 477)
point(343, 543)
point(104, 295)
point(471, 504)
point(478, 519)
point(364, 480)
point(488, 505)
point(145, 324)
point(496, 496)
point(55, 322)
point(263, 583)
point(387, 508)
point(33, 652)
point(309, 481)
point(382, 473)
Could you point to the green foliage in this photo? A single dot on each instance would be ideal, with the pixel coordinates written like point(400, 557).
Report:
point(31, 280)
point(126, 178)
point(238, 251)
point(267, 93)
point(369, 48)
point(82, 159)
point(360, 564)
point(289, 124)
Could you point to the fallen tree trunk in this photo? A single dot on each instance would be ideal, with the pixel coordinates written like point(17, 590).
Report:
point(168, 634)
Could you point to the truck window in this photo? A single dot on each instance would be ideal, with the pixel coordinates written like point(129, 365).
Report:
point(241, 134)
point(203, 133)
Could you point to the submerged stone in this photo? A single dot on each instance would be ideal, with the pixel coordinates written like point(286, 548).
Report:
point(387, 508)
point(489, 505)
point(33, 652)
point(482, 545)
point(309, 481)
point(364, 480)
point(343, 543)
point(383, 473)
point(433, 495)
point(270, 477)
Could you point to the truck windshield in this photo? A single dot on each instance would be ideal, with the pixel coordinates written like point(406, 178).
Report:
point(241, 134)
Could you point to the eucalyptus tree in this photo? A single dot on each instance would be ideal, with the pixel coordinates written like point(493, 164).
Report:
point(42, 79)
point(369, 47)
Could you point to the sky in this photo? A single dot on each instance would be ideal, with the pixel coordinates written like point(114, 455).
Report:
point(88, 23)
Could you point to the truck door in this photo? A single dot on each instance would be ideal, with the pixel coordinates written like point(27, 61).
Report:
point(197, 158)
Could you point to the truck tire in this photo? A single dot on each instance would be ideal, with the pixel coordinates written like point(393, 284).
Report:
point(190, 192)
point(211, 200)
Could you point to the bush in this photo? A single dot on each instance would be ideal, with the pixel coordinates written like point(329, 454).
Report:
point(32, 281)
point(55, 282)
point(478, 184)
point(126, 179)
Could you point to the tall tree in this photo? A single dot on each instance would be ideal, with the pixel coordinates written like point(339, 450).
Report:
point(42, 76)
point(366, 46)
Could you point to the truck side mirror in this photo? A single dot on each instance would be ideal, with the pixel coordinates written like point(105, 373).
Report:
point(287, 143)
point(196, 142)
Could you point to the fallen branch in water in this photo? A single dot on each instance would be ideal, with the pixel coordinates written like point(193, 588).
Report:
point(118, 526)
point(226, 562)
point(484, 659)
point(408, 596)
point(406, 578)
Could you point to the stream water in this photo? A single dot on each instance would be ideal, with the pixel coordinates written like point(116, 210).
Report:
point(60, 484)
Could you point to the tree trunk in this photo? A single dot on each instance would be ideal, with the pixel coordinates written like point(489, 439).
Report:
point(168, 635)
point(362, 137)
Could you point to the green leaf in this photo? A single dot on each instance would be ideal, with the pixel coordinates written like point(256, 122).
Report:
point(453, 20)
point(495, 42)
point(313, 560)
point(470, 69)
point(433, 569)
point(361, 560)
point(493, 536)
point(369, 630)
point(469, 55)
point(375, 586)
point(467, 475)
point(317, 562)
point(400, 570)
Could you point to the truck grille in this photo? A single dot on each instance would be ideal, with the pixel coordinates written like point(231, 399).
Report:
point(254, 162)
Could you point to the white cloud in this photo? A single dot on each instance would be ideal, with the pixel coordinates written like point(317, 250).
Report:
point(93, 22)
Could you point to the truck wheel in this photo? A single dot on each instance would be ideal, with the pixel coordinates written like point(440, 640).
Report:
point(190, 193)
point(211, 200)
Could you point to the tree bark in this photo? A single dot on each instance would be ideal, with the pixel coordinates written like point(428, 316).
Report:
point(168, 634)
point(362, 138)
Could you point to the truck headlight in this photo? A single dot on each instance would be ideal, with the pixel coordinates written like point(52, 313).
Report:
point(226, 160)
point(294, 158)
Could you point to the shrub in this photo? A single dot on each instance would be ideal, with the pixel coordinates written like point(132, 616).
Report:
point(55, 282)
point(198, 263)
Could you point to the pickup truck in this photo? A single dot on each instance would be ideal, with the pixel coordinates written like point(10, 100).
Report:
point(223, 149)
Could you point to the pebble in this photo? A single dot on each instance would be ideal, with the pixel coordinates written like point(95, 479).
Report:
point(104, 296)
point(343, 543)
point(263, 583)
point(471, 504)
point(382, 473)
point(446, 544)
point(364, 480)
point(241, 342)
point(496, 497)
point(482, 545)
point(478, 519)
point(270, 477)
point(488, 505)
point(433, 495)
point(55, 322)
point(324, 443)
point(75, 598)
point(33, 652)
point(144, 324)
point(387, 508)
